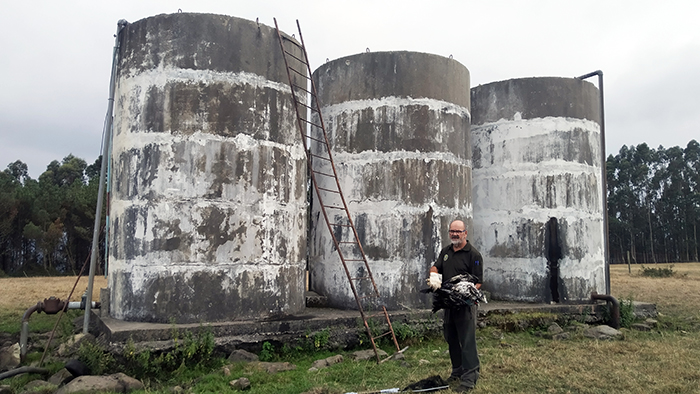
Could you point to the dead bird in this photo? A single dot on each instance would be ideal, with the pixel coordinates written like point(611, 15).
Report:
point(458, 292)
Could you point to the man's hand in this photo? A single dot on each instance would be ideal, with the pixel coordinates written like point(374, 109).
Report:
point(434, 281)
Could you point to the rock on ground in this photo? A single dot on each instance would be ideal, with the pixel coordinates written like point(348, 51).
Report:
point(118, 383)
point(327, 362)
point(9, 357)
point(240, 355)
point(240, 384)
point(361, 355)
point(602, 332)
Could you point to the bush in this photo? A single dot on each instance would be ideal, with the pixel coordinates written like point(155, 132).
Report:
point(95, 357)
point(658, 272)
point(189, 352)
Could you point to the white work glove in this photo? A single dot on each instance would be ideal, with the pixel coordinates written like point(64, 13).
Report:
point(434, 281)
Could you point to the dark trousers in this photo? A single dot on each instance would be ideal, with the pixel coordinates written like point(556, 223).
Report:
point(460, 334)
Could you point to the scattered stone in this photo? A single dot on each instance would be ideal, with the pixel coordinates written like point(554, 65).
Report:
point(77, 368)
point(240, 384)
point(481, 324)
point(362, 355)
point(405, 364)
point(5, 389)
point(602, 332)
point(118, 382)
point(640, 327)
point(9, 357)
point(423, 362)
point(71, 346)
point(554, 329)
point(561, 336)
point(61, 377)
point(277, 367)
point(497, 334)
point(177, 390)
point(226, 370)
point(240, 355)
point(651, 322)
point(327, 362)
point(398, 356)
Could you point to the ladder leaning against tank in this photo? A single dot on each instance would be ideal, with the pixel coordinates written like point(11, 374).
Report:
point(330, 198)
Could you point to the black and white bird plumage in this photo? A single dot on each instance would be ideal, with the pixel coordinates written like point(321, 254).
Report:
point(458, 292)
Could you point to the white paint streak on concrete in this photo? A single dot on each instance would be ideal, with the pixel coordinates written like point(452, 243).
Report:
point(163, 75)
point(352, 106)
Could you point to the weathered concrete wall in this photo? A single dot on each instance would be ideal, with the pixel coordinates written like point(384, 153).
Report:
point(208, 203)
point(538, 210)
point(398, 124)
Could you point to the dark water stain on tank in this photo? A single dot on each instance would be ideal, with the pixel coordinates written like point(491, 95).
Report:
point(154, 115)
point(553, 255)
point(214, 228)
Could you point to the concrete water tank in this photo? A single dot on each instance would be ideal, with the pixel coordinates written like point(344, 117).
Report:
point(398, 124)
point(208, 203)
point(538, 206)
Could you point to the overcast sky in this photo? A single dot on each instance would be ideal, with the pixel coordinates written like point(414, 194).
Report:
point(55, 57)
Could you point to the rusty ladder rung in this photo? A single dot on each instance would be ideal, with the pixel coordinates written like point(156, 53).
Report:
point(303, 75)
point(321, 157)
point(342, 225)
point(312, 123)
point(292, 55)
point(382, 335)
point(324, 143)
point(309, 107)
point(323, 173)
point(328, 190)
point(301, 88)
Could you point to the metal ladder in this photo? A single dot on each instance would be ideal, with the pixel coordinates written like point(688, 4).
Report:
point(330, 195)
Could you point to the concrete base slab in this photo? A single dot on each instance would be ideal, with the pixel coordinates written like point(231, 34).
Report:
point(286, 329)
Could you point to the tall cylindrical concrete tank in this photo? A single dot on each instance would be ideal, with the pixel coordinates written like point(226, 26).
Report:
point(398, 124)
point(538, 206)
point(208, 203)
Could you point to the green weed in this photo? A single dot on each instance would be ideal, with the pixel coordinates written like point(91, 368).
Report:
point(95, 357)
point(660, 272)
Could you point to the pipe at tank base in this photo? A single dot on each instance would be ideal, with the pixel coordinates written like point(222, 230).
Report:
point(614, 311)
point(50, 306)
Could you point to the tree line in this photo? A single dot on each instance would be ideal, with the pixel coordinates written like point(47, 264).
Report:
point(653, 210)
point(654, 204)
point(46, 223)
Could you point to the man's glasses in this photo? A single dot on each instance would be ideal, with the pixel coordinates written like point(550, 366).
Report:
point(457, 231)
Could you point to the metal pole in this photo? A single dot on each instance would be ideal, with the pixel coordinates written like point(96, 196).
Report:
point(604, 177)
point(107, 132)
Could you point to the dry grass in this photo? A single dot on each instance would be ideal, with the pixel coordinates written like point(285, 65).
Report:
point(678, 295)
point(18, 294)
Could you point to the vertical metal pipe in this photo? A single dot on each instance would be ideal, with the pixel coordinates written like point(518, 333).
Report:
point(103, 169)
point(604, 177)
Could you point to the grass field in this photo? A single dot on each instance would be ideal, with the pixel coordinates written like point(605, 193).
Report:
point(664, 360)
